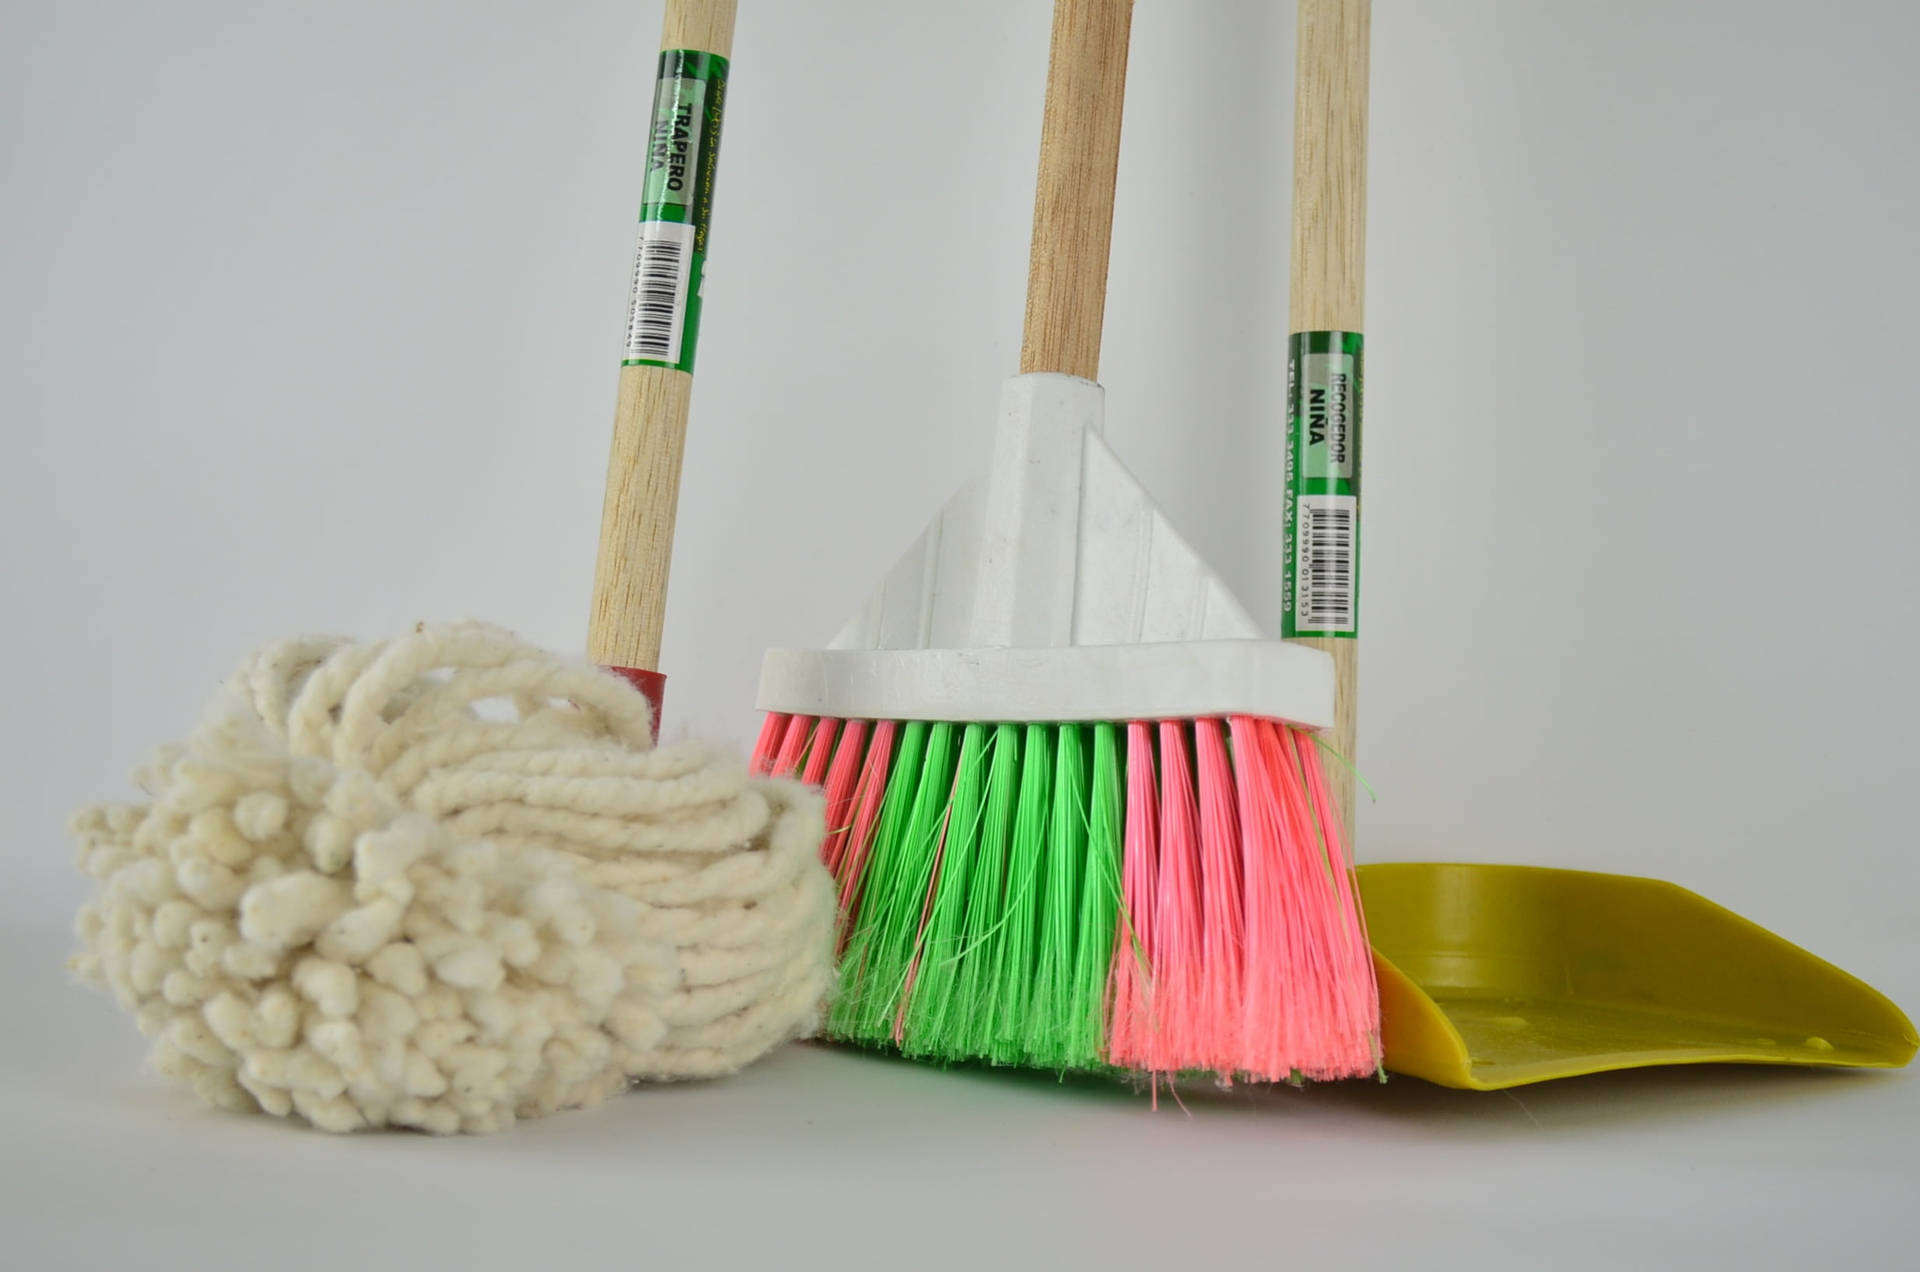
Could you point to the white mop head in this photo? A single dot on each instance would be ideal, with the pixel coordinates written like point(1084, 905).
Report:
point(355, 897)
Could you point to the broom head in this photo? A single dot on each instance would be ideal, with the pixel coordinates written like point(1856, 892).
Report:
point(1075, 807)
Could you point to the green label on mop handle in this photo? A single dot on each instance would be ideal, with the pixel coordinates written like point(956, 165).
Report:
point(1323, 485)
point(670, 265)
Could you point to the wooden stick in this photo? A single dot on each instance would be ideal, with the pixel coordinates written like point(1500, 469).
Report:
point(705, 25)
point(1073, 198)
point(1328, 265)
point(649, 439)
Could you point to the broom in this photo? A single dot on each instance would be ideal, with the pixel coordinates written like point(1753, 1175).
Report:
point(1077, 815)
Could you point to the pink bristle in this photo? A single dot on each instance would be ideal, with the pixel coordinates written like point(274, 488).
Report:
point(1314, 1037)
point(1270, 1021)
point(1217, 1040)
point(772, 729)
point(871, 787)
point(841, 777)
point(786, 762)
point(1179, 954)
point(1130, 1031)
point(1318, 1036)
point(820, 750)
point(1356, 1000)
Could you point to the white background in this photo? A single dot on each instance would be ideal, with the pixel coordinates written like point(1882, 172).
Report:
point(309, 319)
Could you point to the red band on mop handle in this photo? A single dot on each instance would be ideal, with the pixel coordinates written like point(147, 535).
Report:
point(650, 683)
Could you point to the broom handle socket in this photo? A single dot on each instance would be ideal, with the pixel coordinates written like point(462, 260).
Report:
point(1073, 197)
point(649, 440)
point(1329, 258)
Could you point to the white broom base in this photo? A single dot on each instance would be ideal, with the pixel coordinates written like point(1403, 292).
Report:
point(1166, 680)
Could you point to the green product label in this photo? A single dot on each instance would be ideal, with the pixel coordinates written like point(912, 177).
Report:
point(1323, 485)
point(670, 264)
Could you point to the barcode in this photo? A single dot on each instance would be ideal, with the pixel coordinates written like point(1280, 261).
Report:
point(657, 310)
point(1326, 562)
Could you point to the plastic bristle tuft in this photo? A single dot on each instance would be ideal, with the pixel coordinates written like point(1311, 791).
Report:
point(944, 939)
point(772, 729)
point(1062, 858)
point(979, 992)
point(1178, 916)
point(869, 794)
point(1348, 980)
point(1269, 805)
point(1222, 919)
point(842, 775)
point(871, 982)
point(1136, 947)
point(1099, 908)
point(788, 756)
point(1015, 962)
point(918, 867)
point(820, 751)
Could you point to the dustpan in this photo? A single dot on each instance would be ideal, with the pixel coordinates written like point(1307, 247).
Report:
point(1498, 976)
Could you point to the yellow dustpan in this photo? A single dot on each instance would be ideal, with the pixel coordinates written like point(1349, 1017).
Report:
point(1500, 976)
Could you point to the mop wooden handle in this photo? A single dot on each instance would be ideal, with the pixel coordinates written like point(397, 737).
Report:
point(1073, 198)
point(649, 439)
point(706, 25)
point(1328, 263)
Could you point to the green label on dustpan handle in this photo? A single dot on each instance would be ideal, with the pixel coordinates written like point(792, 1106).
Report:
point(670, 264)
point(1323, 485)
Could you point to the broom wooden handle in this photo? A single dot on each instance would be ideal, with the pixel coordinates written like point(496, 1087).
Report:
point(1073, 198)
point(1329, 258)
point(649, 440)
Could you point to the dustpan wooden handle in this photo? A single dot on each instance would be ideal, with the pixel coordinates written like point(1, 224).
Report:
point(1329, 257)
point(649, 439)
point(1073, 198)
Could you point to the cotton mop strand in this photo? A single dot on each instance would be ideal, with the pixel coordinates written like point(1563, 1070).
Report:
point(448, 880)
point(1077, 814)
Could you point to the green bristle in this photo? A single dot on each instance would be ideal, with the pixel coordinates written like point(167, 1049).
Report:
point(1014, 950)
point(863, 1010)
point(890, 960)
point(1099, 902)
point(1050, 1010)
point(969, 1026)
point(991, 895)
point(943, 942)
